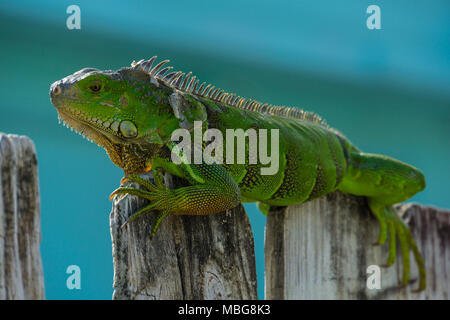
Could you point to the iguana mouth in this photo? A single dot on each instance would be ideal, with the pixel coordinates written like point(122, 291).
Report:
point(109, 142)
point(86, 129)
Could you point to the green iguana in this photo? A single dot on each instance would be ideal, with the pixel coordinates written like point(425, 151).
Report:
point(132, 113)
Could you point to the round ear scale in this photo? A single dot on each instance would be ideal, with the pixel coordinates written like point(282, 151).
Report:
point(128, 129)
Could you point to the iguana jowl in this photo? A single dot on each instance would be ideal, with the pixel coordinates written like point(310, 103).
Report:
point(133, 111)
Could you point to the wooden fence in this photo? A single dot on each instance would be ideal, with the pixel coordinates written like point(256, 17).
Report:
point(317, 250)
point(21, 275)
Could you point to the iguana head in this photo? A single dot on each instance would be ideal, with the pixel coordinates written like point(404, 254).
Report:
point(125, 111)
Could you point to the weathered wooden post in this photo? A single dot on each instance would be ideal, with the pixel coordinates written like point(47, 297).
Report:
point(317, 250)
point(321, 250)
point(21, 275)
point(191, 257)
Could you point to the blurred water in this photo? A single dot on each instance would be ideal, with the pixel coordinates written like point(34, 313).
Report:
point(387, 90)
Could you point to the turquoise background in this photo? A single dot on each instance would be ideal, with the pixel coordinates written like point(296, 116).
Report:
point(387, 90)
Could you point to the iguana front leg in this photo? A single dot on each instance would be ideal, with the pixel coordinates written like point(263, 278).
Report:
point(213, 190)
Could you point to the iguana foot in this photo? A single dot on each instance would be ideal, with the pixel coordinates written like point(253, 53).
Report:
point(391, 224)
point(157, 193)
point(264, 207)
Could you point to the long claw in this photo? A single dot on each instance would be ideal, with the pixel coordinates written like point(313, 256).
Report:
point(146, 184)
point(404, 247)
point(158, 179)
point(139, 213)
point(159, 219)
point(392, 224)
point(380, 214)
point(137, 192)
point(419, 261)
point(392, 239)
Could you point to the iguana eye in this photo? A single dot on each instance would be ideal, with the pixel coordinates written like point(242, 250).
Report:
point(95, 87)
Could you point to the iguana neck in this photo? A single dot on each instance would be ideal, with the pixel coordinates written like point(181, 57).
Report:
point(157, 122)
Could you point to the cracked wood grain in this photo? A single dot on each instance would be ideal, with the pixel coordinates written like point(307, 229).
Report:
point(191, 257)
point(21, 274)
point(321, 250)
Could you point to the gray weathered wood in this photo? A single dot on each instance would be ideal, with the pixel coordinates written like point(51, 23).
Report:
point(21, 275)
point(191, 257)
point(321, 250)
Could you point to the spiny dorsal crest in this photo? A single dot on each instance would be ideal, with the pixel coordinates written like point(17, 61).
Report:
point(190, 84)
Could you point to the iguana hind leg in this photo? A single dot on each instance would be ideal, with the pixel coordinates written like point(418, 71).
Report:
point(263, 207)
point(386, 181)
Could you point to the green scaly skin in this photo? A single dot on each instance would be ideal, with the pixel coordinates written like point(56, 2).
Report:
point(133, 111)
